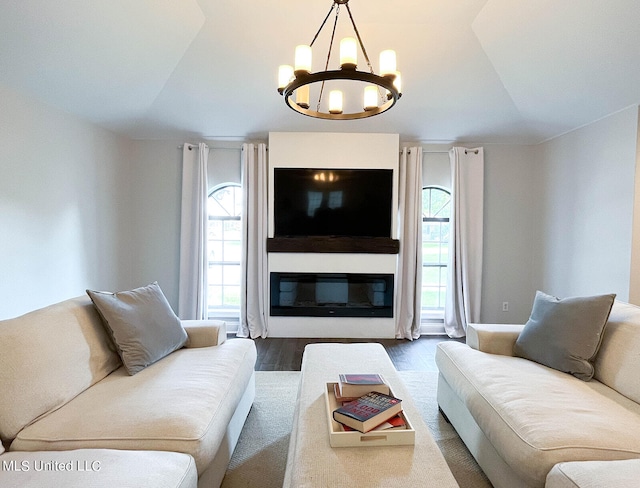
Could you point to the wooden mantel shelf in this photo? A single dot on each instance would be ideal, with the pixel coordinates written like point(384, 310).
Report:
point(366, 245)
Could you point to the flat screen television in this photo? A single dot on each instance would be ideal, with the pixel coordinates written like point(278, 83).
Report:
point(332, 202)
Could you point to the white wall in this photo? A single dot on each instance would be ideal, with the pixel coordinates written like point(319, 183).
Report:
point(585, 204)
point(332, 150)
point(63, 206)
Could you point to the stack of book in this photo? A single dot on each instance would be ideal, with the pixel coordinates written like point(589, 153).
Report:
point(367, 404)
point(352, 386)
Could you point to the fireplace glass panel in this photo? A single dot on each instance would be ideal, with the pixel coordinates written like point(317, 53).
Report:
point(332, 294)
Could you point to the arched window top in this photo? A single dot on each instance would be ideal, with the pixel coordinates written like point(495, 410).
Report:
point(436, 203)
point(225, 201)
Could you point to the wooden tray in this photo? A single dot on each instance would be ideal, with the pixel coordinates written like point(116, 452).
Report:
point(339, 438)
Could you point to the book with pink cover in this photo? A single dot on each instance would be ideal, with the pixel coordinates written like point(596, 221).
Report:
point(394, 423)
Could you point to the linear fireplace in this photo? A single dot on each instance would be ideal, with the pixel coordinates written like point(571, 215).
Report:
point(331, 294)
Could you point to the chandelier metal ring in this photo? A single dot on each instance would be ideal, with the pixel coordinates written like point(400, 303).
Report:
point(385, 82)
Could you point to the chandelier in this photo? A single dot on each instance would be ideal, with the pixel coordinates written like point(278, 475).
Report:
point(381, 91)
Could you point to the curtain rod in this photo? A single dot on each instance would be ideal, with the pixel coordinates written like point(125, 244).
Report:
point(428, 152)
point(466, 151)
point(189, 146)
point(195, 146)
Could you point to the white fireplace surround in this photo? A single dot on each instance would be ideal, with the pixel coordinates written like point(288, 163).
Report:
point(333, 150)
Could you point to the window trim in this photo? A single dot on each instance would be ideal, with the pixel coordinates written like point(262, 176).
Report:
point(228, 314)
point(434, 316)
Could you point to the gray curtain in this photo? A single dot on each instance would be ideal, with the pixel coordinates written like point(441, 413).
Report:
point(409, 283)
point(464, 283)
point(254, 286)
point(192, 282)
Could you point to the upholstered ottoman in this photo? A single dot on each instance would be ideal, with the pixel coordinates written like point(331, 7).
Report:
point(595, 474)
point(313, 463)
point(97, 468)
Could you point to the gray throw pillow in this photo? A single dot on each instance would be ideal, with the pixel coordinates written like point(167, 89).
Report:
point(565, 334)
point(142, 324)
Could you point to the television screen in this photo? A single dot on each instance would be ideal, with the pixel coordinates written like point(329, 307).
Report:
point(332, 202)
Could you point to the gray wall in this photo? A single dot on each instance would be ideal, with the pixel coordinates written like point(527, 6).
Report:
point(509, 210)
point(155, 182)
point(509, 201)
point(81, 207)
point(585, 201)
point(156, 179)
point(63, 206)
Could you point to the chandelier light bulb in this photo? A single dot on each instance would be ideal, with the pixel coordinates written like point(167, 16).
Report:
point(335, 102)
point(303, 59)
point(370, 97)
point(285, 75)
point(387, 62)
point(348, 53)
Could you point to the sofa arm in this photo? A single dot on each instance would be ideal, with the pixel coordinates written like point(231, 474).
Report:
point(205, 333)
point(493, 338)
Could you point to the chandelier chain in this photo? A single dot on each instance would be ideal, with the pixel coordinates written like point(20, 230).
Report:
point(323, 23)
point(326, 66)
point(364, 51)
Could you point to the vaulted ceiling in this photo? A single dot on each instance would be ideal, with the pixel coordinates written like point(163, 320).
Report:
point(504, 71)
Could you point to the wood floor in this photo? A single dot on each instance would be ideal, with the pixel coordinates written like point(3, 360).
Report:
point(275, 354)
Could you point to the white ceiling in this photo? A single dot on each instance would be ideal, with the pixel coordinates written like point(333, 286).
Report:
point(504, 71)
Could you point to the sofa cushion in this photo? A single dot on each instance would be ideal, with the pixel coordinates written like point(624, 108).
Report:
point(618, 362)
point(535, 416)
point(142, 324)
point(99, 468)
point(565, 334)
point(182, 403)
point(595, 474)
point(49, 356)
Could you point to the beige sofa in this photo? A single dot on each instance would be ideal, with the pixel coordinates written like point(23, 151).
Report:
point(94, 468)
point(520, 419)
point(64, 389)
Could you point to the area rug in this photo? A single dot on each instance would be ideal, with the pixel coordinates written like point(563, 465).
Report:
point(260, 457)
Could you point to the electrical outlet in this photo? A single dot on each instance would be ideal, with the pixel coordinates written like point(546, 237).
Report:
point(505, 306)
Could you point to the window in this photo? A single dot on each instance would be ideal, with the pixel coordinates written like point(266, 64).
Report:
point(436, 210)
point(224, 250)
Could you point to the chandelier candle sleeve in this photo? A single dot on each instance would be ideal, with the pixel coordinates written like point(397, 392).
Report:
point(302, 96)
point(303, 59)
point(387, 62)
point(371, 97)
point(285, 75)
point(348, 53)
point(335, 102)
